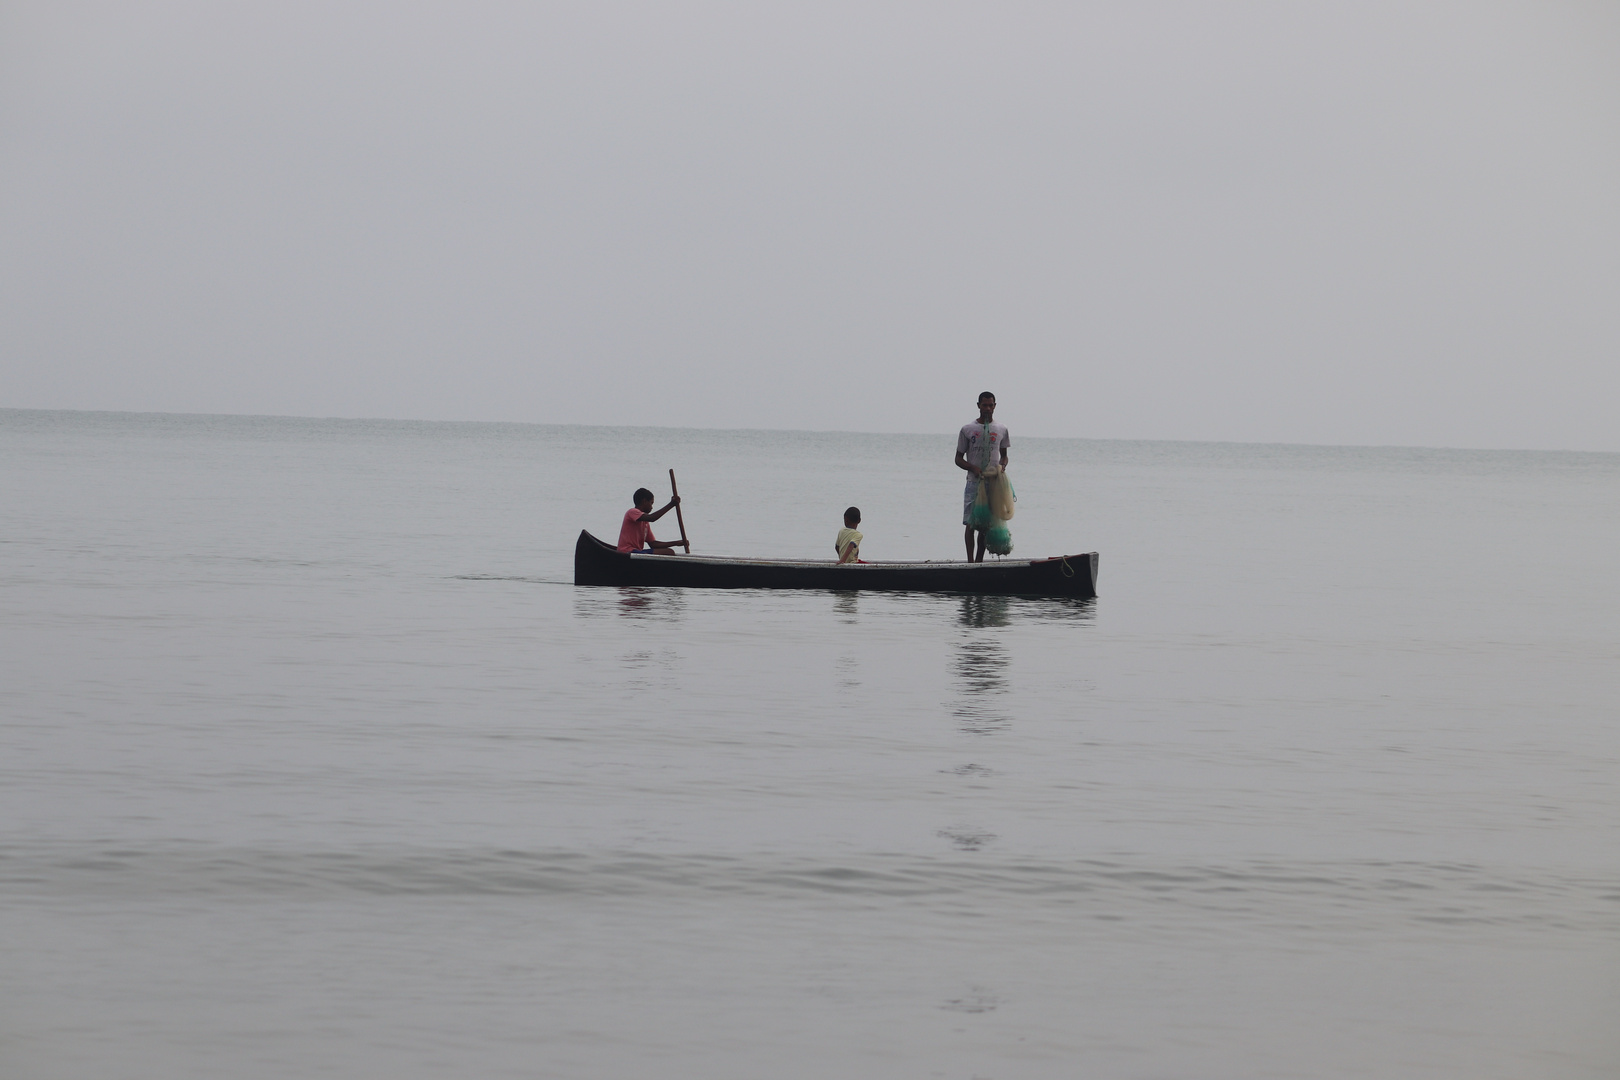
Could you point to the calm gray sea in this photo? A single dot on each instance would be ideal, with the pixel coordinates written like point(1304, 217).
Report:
point(314, 763)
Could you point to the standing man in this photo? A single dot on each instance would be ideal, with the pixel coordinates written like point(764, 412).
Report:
point(980, 445)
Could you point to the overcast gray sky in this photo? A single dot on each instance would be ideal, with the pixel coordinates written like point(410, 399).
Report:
point(1326, 222)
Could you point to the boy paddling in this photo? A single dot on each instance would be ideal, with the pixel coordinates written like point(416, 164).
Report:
point(979, 445)
point(636, 532)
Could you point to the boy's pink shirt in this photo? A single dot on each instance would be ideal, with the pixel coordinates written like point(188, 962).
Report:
point(634, 533)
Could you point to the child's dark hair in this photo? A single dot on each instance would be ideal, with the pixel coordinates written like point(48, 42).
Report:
point(853, 514)
point(641, 493)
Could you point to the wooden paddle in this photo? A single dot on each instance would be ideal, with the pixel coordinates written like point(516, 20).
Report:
point(675, 491)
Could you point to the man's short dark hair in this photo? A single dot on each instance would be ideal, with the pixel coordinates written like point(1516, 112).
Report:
point(641, 493)
point(987, 394)
point(853, 514)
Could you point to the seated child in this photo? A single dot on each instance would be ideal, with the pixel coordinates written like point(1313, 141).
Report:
point(637, 528)
point(848, 544)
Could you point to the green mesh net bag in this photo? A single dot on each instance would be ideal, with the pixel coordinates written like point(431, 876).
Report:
point(992, 505)
point(979, 517)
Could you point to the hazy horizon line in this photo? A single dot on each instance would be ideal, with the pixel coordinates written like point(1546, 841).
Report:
point(800, 431)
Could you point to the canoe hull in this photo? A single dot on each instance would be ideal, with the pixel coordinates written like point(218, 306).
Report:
point(598, 563)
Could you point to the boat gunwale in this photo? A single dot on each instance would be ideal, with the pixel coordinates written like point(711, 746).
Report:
point(929, 564)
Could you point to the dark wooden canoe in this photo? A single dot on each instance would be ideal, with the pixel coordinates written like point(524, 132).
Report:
point(596, 563)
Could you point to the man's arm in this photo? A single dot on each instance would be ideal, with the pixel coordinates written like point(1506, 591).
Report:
point(961, 454)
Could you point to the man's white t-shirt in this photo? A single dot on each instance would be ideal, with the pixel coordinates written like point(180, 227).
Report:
point(981, 444)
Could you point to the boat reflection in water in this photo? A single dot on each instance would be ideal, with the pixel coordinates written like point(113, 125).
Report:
point(631, 602)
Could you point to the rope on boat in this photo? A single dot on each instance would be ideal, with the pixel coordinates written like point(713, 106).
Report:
point(1068, 571)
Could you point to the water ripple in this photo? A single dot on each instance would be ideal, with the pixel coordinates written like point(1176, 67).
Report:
point(1285, 892)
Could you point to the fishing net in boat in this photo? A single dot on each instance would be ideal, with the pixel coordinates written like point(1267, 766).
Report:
point(999, 493)
point(993, 504)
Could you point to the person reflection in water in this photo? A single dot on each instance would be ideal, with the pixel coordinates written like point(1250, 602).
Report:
point(636, 532)
point(982, 666)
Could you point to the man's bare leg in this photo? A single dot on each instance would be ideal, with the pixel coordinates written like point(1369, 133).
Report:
point(980, 556)
point(967, 538)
